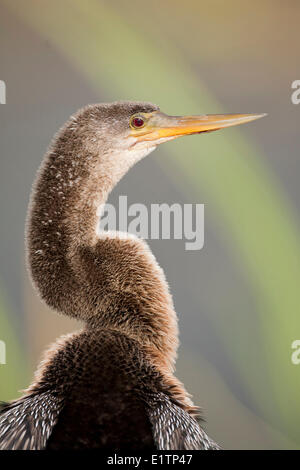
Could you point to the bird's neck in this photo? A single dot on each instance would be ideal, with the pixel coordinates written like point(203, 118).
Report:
point(98, 278)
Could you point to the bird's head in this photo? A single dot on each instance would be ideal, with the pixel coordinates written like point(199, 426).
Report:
point(123, 132)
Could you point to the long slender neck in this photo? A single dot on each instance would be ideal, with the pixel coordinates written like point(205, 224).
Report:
point(105, 281)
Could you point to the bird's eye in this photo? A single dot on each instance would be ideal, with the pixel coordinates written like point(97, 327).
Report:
point(137, 122)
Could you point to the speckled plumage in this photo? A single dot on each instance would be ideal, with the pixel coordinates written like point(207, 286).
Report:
point(112, 384)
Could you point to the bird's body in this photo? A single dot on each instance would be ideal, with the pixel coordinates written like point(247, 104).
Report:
point(111, 385)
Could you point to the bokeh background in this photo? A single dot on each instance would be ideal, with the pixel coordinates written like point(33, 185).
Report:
point(238, 298)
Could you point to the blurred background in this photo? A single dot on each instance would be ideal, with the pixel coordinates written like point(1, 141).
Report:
point(238, 298)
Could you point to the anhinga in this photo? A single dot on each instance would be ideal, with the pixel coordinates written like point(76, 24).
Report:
point(111, 385)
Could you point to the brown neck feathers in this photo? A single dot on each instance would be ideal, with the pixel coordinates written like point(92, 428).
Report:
point(100, 278)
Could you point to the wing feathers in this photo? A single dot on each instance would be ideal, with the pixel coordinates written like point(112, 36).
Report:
point(175, 429)
point(27, 423)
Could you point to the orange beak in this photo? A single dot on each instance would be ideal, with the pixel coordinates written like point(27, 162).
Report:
point(163, 127)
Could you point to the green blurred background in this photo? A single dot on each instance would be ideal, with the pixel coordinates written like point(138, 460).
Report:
point(238, 298)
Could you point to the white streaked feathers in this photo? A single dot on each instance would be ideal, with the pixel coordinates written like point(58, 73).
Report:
point(27, 423)
point(174, 429)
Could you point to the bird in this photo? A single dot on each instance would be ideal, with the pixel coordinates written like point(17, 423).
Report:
point(112, 384)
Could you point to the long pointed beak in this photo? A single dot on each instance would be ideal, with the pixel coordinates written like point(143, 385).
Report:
point(167, 127)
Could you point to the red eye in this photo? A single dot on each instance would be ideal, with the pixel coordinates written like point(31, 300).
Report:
point(137, 122)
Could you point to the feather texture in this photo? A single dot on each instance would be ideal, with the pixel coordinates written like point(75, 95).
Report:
point(26, 424)
point(175, 429)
